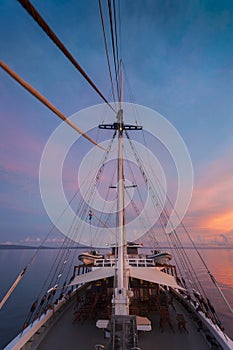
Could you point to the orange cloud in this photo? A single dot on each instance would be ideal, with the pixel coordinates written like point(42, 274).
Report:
point(221, 222)
point(211, 209)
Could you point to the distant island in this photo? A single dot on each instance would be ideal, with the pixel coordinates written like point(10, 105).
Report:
point(19, 246)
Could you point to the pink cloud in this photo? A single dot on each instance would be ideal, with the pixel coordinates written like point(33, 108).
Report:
point(20, 151)
point(31, 240)
point(18, 204)
point(8, 243)
point(20, 154)
point(55, 240)
point(211, 208)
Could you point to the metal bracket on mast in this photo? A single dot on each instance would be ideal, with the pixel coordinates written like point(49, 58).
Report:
point(130, 186)
point(119, 125)
point(116, 126)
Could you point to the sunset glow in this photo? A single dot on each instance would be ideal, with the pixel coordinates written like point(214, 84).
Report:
point(222, 223)
point(180, 66)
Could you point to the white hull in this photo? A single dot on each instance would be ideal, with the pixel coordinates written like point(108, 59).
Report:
point(160, 258)
point(89, 258)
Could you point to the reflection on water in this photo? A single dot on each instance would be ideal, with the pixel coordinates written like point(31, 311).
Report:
point(220, 264)
point(14, 312)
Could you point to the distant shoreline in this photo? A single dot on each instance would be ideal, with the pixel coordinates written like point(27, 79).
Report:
point(23, 247)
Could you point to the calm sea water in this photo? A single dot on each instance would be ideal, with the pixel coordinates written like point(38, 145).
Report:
point(14, 312)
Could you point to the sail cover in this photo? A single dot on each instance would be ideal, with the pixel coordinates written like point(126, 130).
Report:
point(150, 274)
point(97, 274)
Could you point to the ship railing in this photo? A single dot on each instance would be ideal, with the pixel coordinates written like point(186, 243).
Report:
point(32, 335)
point(107, 262)
point(141, 262)
point(136, 262)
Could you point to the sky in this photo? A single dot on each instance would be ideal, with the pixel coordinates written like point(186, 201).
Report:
point(178, 56)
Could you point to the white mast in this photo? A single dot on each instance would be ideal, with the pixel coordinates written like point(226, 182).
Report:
point(121, 300)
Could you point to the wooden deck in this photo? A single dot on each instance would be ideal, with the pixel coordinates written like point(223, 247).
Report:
point(73, 336)
point(173, 338)
point(71, 332)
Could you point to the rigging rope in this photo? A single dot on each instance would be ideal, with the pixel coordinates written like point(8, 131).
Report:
point(116, 33)
point(62, 249)
point(119, 25)
point(115, 58)
point(41, 22)
point(104, 224)
point(58, 268)
point(180, 250)
point(20, 276)
point(186, 260)
point(164, 216)
point(106, 49)
point(205, 265)
point(46, 102)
